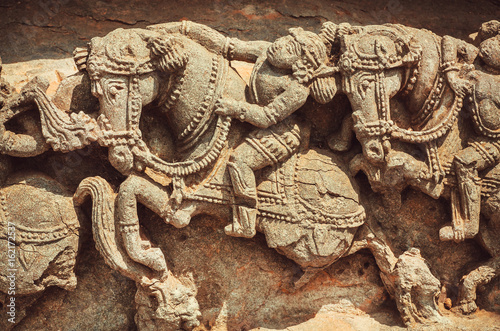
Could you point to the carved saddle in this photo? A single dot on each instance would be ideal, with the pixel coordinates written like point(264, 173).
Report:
point(310, 188)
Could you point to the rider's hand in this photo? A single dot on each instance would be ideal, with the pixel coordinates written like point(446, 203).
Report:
point(141, 153)
point(227, 107)
point(460, 86)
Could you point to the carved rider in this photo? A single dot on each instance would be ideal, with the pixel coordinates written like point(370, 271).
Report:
point(483, 152)
point(294, 67)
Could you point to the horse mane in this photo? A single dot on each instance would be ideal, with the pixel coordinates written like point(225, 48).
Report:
point(169, 52)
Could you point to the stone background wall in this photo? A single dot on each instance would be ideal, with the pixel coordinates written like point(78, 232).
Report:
point(34, 29)
point(242, 283)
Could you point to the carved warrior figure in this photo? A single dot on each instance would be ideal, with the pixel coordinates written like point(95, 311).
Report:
point(308, 206)
point(456, 58)
point(381, 63)
point(293, 67)
point(39, 225)
point(484, 151)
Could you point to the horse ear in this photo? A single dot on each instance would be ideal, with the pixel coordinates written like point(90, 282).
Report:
point(80, 56)
point(169, 52)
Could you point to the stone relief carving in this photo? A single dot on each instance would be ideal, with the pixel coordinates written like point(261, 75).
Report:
point(40, 226)
point(424, 111)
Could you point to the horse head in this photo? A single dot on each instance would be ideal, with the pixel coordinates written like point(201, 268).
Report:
point(374, 64)
point(127, 69)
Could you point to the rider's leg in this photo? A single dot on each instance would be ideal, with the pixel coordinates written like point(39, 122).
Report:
point(242, 163)
point(262, 148)
point(137, 189)
point(470, 196)
point(466, 202)
point(341, 140)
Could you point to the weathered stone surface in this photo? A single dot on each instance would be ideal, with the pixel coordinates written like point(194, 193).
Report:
point(56, 27)
point(102, 132)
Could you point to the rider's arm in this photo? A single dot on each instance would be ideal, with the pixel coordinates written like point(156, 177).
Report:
point(23, 145)
point(452, 50)
point(248, 51)
point(214, 41)
point(449, 49)
point(281, 107)
point(455, 49)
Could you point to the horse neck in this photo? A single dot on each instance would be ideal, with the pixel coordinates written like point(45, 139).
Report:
point(191, 95)
point(428, 72)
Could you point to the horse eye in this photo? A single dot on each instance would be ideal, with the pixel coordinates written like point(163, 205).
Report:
point(113, 90)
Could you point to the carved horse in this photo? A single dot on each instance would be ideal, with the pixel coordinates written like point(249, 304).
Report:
point(309, 207)
point(395, 79)
point(38, 220)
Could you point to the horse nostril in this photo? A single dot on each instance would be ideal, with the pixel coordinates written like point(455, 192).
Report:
point(374, 152)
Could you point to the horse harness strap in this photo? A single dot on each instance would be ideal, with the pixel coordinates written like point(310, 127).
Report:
point(133, 134)
point(132, 137)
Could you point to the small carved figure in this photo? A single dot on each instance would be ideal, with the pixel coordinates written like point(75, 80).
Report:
point(483, 152)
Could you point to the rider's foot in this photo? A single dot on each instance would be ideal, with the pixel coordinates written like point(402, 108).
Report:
point(244, 219)
point(154, 259)
point(235, 230)
point(447, 233)
point(180, 219)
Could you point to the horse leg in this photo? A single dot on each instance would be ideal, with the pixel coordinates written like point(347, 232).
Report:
point(489, 232)
point(469, 283)
point(137, 189)
point(365, 238)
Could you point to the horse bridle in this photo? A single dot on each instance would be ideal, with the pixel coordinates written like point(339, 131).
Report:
point(384, 128)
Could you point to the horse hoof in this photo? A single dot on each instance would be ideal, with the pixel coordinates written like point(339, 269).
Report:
point(180, 219)
point(467, 308)
point(446, 233)
point(157, 259)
